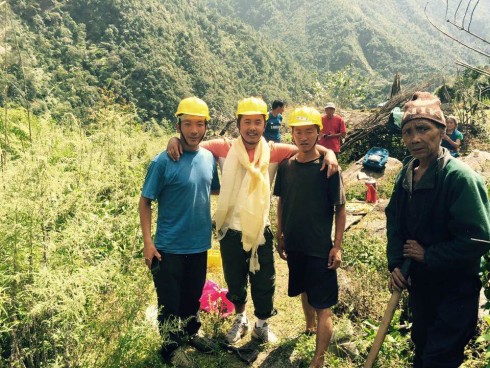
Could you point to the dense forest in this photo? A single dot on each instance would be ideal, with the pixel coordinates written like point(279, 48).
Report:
point(65, 56)
point(146, 54)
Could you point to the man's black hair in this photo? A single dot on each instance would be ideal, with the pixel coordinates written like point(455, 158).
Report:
point(277, 103)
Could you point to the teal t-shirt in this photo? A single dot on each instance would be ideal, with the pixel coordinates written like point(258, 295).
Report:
point(272, 128)
point(456, 134)
point(182, 190)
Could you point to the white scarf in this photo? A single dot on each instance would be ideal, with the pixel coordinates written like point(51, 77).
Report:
point(245, 186)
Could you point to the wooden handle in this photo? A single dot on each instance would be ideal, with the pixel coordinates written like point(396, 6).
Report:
point(383, 328)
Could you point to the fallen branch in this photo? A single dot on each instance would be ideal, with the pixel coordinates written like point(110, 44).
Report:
point(380, 117)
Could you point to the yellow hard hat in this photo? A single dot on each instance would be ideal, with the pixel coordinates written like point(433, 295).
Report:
point(305, 116)
point(193, 106)
point(251, 106)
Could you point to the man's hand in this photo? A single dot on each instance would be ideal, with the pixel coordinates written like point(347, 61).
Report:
point(397, 281)
point(330, 161)
point(150, 251)
point(174, 149)
point(281, 247)
point(412, 249)
point(334, 258)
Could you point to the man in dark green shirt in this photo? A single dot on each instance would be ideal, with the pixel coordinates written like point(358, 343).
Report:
point(438, 206)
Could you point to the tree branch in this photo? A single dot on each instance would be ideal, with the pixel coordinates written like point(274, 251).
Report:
point(471, 17)
point(453, 38)
point(468, 66)
point(468, 31)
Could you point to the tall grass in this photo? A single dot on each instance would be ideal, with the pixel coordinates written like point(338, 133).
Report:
point(72, 283)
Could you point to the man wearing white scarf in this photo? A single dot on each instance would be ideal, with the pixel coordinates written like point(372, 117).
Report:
point(242, 222)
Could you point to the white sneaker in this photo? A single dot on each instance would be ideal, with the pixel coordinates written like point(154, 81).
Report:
point(264, 333)
point(237, 331)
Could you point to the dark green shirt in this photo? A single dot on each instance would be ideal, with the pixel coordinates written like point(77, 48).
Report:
point(443, 211)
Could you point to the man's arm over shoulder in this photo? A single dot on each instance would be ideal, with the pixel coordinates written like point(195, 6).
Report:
point(218, 147)
point(282, 151)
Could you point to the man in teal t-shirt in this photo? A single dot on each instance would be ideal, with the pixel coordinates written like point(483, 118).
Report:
point(177, 256)
point(274, 122)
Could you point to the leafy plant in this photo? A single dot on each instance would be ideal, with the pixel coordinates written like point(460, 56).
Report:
point(347, 86)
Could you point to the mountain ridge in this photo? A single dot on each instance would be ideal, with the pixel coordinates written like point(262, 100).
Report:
point(74, 54)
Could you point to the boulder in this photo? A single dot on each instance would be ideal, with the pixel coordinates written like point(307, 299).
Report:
point(356, 172)
point(480, 162)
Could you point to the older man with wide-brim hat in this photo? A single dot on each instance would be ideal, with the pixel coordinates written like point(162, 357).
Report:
point(438, 206)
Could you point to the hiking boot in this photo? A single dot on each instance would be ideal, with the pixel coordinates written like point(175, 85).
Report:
point(237, 331)
point(264, 333)
point(203, 344)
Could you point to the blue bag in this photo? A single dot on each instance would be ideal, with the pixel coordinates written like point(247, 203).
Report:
point(375, 159)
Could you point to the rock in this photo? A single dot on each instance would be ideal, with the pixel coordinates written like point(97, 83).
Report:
point(480, 162)
point(342, 343)
point(355, 172)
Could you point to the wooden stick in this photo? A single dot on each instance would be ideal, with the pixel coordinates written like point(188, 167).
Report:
point(383, 328)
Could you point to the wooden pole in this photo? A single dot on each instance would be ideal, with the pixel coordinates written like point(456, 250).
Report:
point(383, 328)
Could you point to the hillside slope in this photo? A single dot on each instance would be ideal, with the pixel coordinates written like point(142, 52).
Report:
point(150, 54)
point(380, 38)
point(66, 56)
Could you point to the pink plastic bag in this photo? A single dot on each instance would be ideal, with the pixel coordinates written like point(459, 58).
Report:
point(214, 300)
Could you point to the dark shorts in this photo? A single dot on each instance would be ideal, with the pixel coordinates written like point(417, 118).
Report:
point(310, 275)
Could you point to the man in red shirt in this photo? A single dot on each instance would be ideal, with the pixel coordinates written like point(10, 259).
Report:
point(333, 129)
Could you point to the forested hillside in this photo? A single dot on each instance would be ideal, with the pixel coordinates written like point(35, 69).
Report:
point(380, 38)
point(63, 56)
point(149, 54)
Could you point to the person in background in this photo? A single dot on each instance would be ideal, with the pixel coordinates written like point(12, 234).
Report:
point(333, 129)
point(453, 137)
point(308, 204)
point(177, 256)
point(274, 122)
point(248, 167)
point(438, 210)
